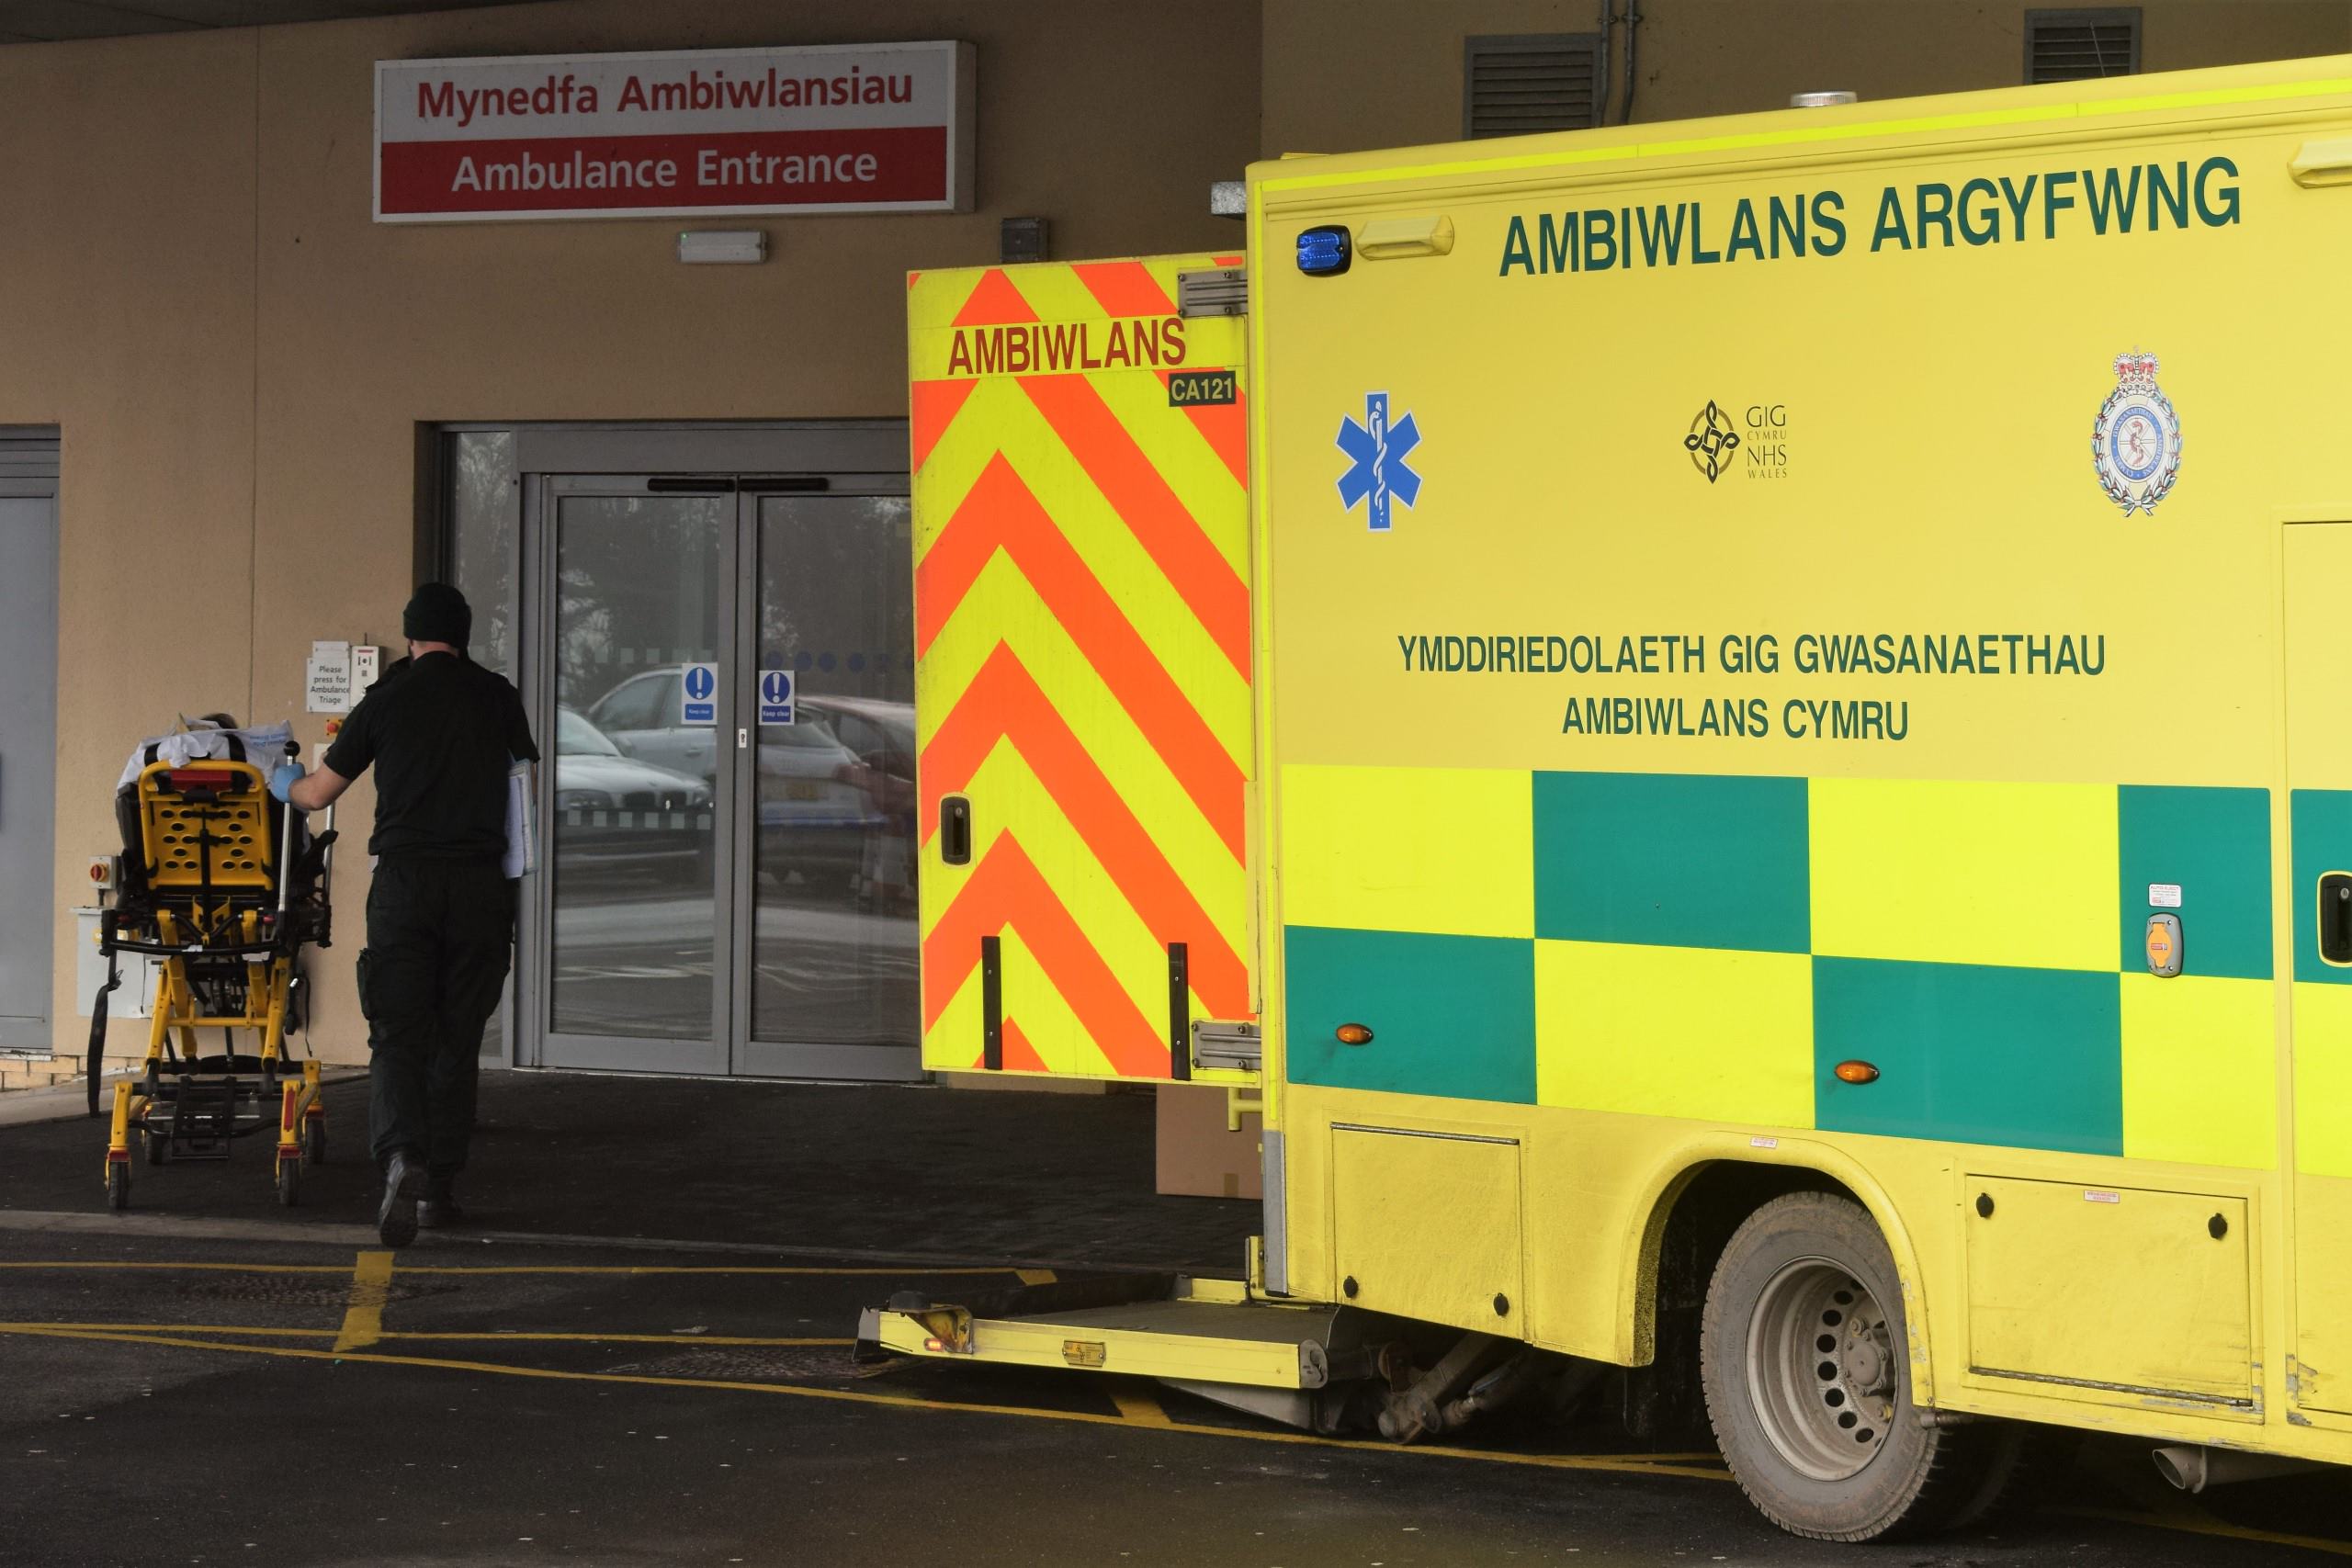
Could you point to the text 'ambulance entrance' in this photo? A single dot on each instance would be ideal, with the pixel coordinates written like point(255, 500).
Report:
point(723, 683)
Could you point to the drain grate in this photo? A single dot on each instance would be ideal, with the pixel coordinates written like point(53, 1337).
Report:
point(734, 1363)
point(296, 1289)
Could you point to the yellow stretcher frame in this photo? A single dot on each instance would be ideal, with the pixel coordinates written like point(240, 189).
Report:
point(209, 925)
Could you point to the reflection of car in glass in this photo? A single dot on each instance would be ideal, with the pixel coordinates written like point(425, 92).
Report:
point(813, 806)
point(615, 810)
point(814, 814)
point(645, 717)
point(881, 736)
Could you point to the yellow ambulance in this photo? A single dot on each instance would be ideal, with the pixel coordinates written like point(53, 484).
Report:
point(1774, 692)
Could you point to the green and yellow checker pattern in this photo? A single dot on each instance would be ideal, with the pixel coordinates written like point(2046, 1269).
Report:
point(1712, 947)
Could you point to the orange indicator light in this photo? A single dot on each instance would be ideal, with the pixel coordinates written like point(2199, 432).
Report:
point(1353, 1035)
point(1856, 1072)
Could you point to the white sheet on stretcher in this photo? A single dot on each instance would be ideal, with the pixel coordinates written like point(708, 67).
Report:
point(264, 747)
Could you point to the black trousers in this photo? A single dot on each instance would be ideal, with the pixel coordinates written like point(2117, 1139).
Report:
point(440, 936)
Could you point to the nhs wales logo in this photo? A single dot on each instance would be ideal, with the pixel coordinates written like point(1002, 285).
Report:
point(1377, 472)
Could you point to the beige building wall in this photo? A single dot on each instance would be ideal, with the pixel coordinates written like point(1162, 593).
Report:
point(1343, 75)
point(192, 288)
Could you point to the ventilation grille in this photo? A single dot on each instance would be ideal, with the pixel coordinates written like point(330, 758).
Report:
point(2079, 45)
point(28, 453)
point(1518, 84)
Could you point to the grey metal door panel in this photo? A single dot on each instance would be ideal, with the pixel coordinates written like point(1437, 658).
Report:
point(28, 761)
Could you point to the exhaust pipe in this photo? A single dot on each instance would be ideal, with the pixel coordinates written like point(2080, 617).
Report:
point(2194, 1468)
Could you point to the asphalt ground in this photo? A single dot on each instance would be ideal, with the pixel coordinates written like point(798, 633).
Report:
point(211, 1378)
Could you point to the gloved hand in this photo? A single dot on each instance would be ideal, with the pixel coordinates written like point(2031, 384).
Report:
point(282, 782)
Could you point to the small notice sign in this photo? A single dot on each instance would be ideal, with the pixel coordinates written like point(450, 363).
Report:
point(326, 683)
point(2164, 895)
point(698, 695)
point(776, 696)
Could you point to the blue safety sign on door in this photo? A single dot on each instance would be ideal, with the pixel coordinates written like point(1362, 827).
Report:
point(698, 695)
point(776, 696)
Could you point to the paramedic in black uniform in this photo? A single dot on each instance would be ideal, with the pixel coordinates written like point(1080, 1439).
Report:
point(442, 732)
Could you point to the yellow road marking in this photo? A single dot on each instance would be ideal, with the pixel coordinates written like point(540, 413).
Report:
point(363, 1320)
point(216, 1268)
point(627, 1268)
point(1135, 1409)
point(176, 1328)
point(2156, 1506)
point(1629, 1465)
point(1045, 1276)
point(523, 1336)
point(1137, 1406)
point(688, 1340)
point(2196, 1523)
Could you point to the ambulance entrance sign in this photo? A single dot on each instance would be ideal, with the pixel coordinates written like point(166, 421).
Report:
point(854, 128)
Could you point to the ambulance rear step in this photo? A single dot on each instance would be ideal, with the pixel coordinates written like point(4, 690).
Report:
point(1216, 1339)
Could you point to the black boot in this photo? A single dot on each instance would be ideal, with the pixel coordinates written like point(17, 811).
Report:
point(403, 1187)
point(440, 1209)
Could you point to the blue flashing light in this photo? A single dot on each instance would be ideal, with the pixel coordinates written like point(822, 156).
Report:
point(1324, 251)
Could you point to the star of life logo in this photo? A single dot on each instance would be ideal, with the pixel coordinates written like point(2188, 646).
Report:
point(1377, 471)
point(2135, 444)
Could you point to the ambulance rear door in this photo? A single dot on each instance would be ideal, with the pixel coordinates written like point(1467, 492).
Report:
point(1083, 653)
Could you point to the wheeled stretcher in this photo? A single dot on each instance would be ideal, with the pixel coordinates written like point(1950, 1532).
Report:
point(224, 887)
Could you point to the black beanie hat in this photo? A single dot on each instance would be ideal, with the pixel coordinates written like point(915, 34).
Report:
point(437, 612)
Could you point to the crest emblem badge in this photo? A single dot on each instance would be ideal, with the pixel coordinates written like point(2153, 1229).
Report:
point(2135, 445)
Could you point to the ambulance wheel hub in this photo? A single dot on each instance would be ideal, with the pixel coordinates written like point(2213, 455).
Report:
point(1820, 1370)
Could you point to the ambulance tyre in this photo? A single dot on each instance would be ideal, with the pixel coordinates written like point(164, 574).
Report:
point(1807, 1368)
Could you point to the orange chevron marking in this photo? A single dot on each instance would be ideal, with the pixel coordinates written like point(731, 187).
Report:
point(913, 278)
point(993, 302)
point(1007, 889)
point(932, 407)
point(1124, 288)
point(1139, 494)
point(1020, 1056)
point(1225, 426)
point(1000, 514)
point(1003, 700)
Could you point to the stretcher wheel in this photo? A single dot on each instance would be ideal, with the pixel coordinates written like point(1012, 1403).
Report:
point(314, 1140)
point(290, 1183)
point(158, 1144)
point(117, 1184)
